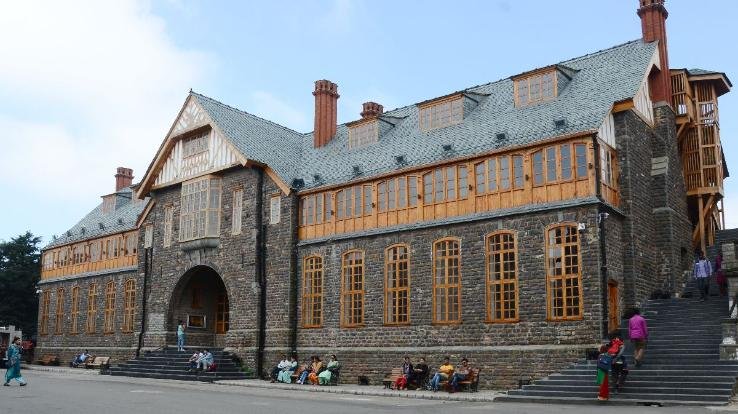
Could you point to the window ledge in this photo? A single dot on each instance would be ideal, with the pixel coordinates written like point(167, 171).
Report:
point(204, 243)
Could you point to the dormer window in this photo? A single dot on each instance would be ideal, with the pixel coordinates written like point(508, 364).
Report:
point(195, 145)
point(536, 87)
point(442, 113)
point(363, 134)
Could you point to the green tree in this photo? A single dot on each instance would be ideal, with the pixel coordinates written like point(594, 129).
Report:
point(19, 274)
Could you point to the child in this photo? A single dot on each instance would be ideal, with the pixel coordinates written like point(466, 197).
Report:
point(619, 364)
point(604, 363)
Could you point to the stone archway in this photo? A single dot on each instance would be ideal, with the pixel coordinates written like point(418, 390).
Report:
point(200, 300)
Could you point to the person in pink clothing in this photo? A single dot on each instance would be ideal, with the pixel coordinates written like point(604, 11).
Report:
point(638, 334)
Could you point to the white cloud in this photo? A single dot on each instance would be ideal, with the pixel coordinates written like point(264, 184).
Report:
point(268, 106)
point(94, 85)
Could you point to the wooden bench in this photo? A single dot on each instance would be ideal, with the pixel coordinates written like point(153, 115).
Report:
point(101, 363)
point(48, 360)
point(471, 383)
point(392, 377)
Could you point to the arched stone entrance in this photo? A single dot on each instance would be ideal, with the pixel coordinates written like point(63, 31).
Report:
point(200, 300)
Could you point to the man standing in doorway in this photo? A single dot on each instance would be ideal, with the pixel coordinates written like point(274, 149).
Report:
point(180, 336)
point(702, 273)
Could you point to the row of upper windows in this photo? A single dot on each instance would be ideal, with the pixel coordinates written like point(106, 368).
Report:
point(553, 164)
point(91, 251)
point(563, 281)
point(129, 309)
point(444, 112)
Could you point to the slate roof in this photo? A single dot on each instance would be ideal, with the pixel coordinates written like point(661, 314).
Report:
point(599, 79)
point(123, 218)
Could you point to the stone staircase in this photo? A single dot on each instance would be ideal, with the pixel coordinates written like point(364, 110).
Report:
point(682, 362)
point(173, 364)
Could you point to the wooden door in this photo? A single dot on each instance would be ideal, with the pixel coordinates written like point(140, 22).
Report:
point(613, 312)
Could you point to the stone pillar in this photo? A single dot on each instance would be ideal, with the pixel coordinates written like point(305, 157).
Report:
point(729, 348)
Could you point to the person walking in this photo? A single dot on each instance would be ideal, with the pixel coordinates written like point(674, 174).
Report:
point(180, 336)
point(722, 282)
point(13, 354)
point(702, 273)
point(619, 364)
point(638, 334)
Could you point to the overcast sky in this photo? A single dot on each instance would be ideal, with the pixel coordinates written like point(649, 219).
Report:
point(86, 87)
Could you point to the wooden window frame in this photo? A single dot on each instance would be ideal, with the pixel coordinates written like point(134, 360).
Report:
point(168, 225)
point(59, 314)
point(109, 313)
point(392, 293)
point(432, 111)
point(74, 312)
point(352, 298)
point(91, 322)
point(494, 282)
point(237, 211)
point(312, 291)
point(275, 209)
point(196, 222)
point(564, 277)
point(222, 314)
point(535, 79)
point(129, 305)
point(45, 304)
point(446, 285)
point(363, 134)
point(444, 181)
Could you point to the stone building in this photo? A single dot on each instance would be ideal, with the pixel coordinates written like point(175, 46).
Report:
point(509, 222)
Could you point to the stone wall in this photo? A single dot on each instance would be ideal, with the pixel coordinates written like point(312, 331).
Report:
point(233, 259)
point(118, 345)
point(507, 349)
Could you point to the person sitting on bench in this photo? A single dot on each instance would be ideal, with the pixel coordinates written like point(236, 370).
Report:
point(81, 359)
point(460, 375)
point(443, 374)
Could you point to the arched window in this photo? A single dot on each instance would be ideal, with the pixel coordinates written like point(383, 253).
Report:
point(75, 311)
point(502, 277)
point(92, 308)
point(312, 292)
point(129, 305)
point(44, 323)
point(563, 273)
point(109, 325)
point(447, 281)
point(397, 285)
point(352, 289)
point(59, 315)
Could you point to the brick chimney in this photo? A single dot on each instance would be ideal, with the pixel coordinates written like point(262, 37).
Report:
point(326, 104)
point(653, 16)
point(371, 110)
point(123, 178)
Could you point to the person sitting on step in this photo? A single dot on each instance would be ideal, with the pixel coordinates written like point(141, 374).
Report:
point(205, 361)
point(193, 360)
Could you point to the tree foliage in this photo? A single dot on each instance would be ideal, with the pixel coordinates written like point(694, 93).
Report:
point(19, 274)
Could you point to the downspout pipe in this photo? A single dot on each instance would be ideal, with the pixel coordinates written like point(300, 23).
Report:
point(260, 271)
point(601, 214)
point(147, 271)
point(294, 286)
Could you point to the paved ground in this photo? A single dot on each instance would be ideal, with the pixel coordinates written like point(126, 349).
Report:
point(60, 392)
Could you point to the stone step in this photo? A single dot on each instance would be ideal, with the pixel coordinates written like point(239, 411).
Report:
point(593, 388)
point(614, 401)
point(170, 369)
point(208, 376)
point(646, 377)
point(677, 382)
point(624, 396)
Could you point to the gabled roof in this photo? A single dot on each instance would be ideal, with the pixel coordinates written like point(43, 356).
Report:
point(98, 224)
point(597, 81)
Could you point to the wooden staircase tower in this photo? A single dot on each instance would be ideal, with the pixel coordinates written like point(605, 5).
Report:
point(695, 95)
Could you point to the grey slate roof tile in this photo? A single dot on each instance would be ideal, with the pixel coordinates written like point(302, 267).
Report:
point(121, 219)
point(598, 80)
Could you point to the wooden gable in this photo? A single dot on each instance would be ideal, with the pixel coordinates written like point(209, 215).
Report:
point(194, 146)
